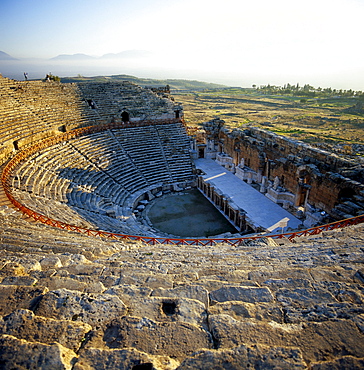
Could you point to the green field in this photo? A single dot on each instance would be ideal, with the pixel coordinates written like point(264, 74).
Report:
point(322, 121)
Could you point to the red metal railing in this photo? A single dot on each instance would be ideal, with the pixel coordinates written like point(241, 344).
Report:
point(21, 156)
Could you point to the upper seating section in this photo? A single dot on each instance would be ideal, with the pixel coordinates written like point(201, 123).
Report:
point(33, 110)
point(110, 99)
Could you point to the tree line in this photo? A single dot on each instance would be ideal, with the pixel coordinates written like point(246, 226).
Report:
point(307, 91)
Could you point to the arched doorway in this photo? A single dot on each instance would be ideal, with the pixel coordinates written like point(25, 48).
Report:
point(125, 117)
point(345, 194)
point(303, 187)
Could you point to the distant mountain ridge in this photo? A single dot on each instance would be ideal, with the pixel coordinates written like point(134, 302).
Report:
point(80, 56)
point(175, 84)
point(77, 56)
point(121, 55)
point(128, 54)
point(5, 56)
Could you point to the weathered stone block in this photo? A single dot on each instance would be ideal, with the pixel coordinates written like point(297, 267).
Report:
point(128, 293)
point(13, 297)
point(172, 339)
point(19, 354)
point(95, 310)
point(51, 262)
point(244, 294)
point(317, 341)
point(164, 309)
point(304, 297)
point(245, 357)
point(23, 324)
point(186, 291)
point(19, 280)
point(242, 310)
point(345, 362)
point(106, 359)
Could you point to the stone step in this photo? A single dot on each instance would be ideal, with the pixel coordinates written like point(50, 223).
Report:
point(20, 354)
point(317, 341)
point(23, 324)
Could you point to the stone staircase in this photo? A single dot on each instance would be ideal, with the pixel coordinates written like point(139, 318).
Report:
point(89, 303)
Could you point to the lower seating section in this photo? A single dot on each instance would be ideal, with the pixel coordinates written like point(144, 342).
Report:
point(89, 303)
point(176, 147)
point(89, 181)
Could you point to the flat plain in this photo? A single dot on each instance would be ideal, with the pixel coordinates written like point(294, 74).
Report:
point(327, 122)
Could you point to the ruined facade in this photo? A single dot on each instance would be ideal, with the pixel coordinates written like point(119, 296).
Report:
point(313, 183)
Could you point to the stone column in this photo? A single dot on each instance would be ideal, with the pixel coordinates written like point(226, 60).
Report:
point(250, 177)
point(263, 186)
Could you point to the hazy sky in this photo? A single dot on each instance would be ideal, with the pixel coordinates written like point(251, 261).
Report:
point(256, 41)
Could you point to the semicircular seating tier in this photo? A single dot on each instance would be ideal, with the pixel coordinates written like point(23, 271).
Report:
point(33, 110)
point(92, 181)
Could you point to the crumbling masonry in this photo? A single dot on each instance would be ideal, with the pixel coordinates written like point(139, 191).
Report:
point(316, 185)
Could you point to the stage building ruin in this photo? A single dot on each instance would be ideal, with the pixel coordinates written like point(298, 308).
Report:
point(315, 185)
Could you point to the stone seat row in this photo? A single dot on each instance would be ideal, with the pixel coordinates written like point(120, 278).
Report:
point(111, 98)
point(30, 108)
point(94, 157)
point(42, 179)
point(224, 301)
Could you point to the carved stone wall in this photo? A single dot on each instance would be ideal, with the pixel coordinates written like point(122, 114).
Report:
point(316, 178)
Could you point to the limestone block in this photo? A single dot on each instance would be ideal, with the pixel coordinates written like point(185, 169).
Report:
point(30, 264)
point(244, 294)
point(359, 276)
point(303, 297)
point(51, 262)
point(345, 362)
point(317, 341)
point(19, 354)
point(260, 276)
point(324, 312)
point(23, 324)
point(241, 311)
point(95, 287)
point(186, 291)
point(156, 281)
point(86, 269)
point(95, 310)
point(106, 359)
point(275, 284)
point(164, 309)
point(55, 282)
point(13, 297)
point(11, 268)
point(58, 282)
point(127, 293)
point(139, 278)
point(19, 280)
point(172, 339)
point(245, 357)
point(212, 284)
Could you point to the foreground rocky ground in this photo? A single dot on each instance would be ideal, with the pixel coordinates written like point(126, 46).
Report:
point(68, 301)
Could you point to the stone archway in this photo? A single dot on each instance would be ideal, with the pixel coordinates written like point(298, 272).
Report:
point(125, 116)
